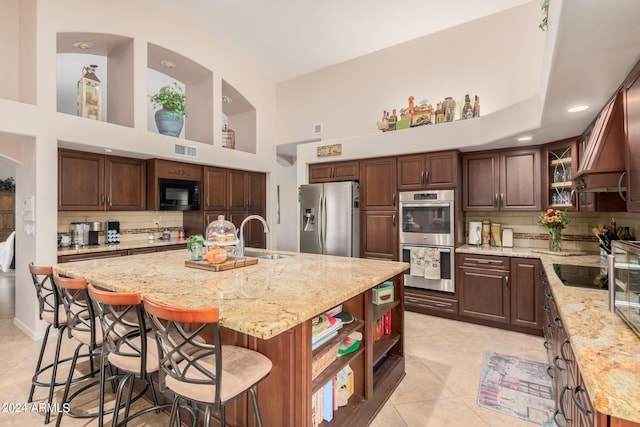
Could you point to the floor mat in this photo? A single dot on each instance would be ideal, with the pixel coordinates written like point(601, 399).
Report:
point(517, 387)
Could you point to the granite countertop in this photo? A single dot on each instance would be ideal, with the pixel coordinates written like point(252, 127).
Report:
point(261, 300)
point(135, 244)
point(606, 349)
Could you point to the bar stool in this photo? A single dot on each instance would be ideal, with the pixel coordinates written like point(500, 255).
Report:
point(215, 374)
point(52, 312)
point(81, 325)
point(126, 347)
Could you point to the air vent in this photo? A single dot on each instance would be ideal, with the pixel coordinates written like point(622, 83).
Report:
point(317, 129)
point(185, 150)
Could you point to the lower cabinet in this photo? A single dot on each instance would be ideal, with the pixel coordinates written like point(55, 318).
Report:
point(573, 405)
point(500, 290)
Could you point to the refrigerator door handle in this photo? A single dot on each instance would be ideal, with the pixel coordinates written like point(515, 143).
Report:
point(324, 222)
point(320, 223)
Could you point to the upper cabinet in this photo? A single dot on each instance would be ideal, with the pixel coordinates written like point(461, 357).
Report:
point(378, 183)
point(632, 127)
point(502, 180)
point(334, 171)
point(428, 171)
point(560, 160)
point(94, 182)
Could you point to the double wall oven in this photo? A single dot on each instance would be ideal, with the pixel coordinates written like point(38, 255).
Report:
point(427, 239)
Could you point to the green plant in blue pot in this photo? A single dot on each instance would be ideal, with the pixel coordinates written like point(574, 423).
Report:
point(170, 118)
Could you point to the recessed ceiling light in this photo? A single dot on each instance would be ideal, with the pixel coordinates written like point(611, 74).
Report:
point(525, 138)
point(577, 108)
point(227, 100)
point(168, 64)
point(83, 45)
point(108, 150)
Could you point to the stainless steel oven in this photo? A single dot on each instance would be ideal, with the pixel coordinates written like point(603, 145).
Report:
point(427, 239)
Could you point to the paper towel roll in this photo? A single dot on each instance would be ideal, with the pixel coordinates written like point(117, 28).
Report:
point(475, 232)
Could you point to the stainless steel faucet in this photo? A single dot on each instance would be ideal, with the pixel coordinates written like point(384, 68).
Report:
point(244, 221)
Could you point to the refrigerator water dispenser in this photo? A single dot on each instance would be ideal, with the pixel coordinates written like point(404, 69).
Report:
point(309, 220)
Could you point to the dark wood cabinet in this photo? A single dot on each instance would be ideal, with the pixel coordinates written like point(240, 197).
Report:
point(632, 146)
point(246, 191)
point(504, 290)
point(94, 182)
point(428, 171)
point(334, 171)
point(505, 180)
point(214, 188)
point(379, 237)
point(483, 282)
point(378, 184)
point(378, 209)
point(525, 290)
point(559, 166)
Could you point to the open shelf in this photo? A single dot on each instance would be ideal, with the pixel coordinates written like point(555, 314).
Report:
point(382, 309)
point(240, 116)
point(383, 345)
point(335, 367)
point(114, 56)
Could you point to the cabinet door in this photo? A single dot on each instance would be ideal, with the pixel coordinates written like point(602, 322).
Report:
point(480, 175)
point(411, 172)
point(559, 165)
point(254, 235)
point(520, 180)
point(525, 293)
point(215, 188)
point(632, 124)
point(379, 235)
point(256, 191)
point(237, 181)
point(442, 170)
point(126, 183)
point(334, 171)
point(80, 181)
point(378, 183)
point(484, 293)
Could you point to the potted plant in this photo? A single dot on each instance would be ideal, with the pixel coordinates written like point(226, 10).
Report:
point(8, 185)
point(195, 246)
point(170, 118)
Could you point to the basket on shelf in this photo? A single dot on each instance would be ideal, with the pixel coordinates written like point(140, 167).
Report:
point(323, 360)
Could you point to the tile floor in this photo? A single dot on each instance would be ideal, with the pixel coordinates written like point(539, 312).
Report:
point(443, 363)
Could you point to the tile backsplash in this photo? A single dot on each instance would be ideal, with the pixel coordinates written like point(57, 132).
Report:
point(578, 236)
point(134, 225)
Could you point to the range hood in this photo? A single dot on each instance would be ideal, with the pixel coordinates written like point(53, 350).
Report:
point(602, 165)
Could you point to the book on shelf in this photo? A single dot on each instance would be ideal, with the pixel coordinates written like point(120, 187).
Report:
point(321, 335)
point(381, 327)
point(327, 401)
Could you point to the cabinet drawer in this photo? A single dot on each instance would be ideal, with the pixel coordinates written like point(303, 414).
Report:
point(420, 300)
point(483, 261)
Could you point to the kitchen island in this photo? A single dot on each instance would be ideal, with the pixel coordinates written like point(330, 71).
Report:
point(269, 307)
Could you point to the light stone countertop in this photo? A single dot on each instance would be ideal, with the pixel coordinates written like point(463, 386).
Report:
point(261, 300)
point(606, 349)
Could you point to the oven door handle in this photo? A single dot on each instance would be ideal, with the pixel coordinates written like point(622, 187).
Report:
point(445, 250)
point(426, 204)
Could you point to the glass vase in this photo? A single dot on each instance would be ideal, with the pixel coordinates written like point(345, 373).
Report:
point(555, 234)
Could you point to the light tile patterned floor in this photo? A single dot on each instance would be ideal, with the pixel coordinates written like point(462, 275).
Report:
point(444, 359)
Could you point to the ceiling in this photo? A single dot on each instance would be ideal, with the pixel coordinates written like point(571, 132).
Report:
point(590, 48)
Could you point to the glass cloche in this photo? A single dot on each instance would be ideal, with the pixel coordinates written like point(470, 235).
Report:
point(221, 233)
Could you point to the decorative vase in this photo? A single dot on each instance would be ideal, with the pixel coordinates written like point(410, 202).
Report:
point(168, 123)
point(555, 234)
point(448, 107)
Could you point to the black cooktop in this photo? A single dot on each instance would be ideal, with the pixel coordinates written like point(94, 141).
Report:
point(582, 276)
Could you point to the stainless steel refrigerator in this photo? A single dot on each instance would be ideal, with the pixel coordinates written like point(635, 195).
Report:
point(330, 218)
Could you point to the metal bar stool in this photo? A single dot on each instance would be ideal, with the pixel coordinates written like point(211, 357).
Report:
point(52, 312)
point(214, 374)
point(81, 324)
point(127, 347)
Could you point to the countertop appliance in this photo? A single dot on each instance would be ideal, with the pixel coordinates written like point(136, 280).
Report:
point(94, 232)
point(79, 233)
point(581, 276)
point(330, 218)
point(624, 279)
point(427, 239)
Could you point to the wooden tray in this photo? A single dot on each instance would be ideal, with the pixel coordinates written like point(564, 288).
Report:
point(230, 263)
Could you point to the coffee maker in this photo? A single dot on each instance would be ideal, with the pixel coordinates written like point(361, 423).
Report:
point(94, 231)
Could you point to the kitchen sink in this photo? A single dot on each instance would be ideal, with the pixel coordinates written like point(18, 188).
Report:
point(265, 255)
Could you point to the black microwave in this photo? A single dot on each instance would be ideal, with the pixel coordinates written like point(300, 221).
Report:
point(178, 195)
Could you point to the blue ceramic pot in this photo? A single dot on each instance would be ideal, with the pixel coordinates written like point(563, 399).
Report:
point(168, 123)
